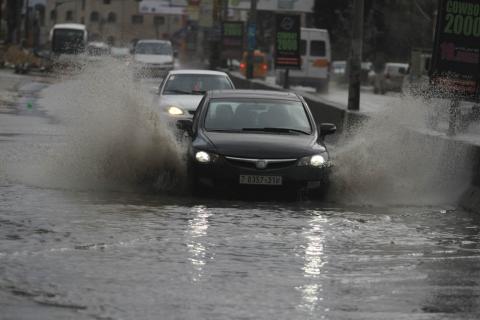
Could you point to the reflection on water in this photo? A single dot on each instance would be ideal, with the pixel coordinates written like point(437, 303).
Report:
point(314, 260)
point(196, 232)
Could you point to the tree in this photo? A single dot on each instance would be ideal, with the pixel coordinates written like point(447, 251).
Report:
point(391, 29)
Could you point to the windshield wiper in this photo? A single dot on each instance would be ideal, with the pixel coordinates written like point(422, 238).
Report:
point(222, 130)
point(271, 129)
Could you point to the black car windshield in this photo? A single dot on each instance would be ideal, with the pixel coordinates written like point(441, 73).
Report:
point(153, 48)
point(195, 83)
point(257, 115)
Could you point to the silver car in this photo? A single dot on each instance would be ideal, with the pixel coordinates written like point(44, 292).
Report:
point(182, 90)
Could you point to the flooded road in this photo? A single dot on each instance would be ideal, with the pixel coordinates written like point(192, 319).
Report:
point(79, 241)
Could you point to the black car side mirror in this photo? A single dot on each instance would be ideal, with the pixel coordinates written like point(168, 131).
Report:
point(326, 129)
point(185, 125)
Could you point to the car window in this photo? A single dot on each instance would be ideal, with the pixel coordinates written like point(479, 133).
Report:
point(240, 114)
point(195, 83)
point(317, 48)
point(153, 48)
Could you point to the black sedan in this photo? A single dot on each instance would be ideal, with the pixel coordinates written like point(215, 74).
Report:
point(257, 140)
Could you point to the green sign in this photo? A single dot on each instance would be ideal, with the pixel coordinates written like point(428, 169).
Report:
point(456, 53)
point(287, 41)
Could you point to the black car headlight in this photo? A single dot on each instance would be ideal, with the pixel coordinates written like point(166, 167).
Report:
point(316, 161)
point(175, 111)
point(205, 157)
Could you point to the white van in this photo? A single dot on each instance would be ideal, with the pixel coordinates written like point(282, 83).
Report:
point(315, 53)
point(68, 38)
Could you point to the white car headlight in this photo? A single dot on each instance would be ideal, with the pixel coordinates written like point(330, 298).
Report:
point(174, 111)
point(202, 157)
point(316, 161)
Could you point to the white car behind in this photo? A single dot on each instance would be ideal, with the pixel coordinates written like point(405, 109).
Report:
point(182, 90)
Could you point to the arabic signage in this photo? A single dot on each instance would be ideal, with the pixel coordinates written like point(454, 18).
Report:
point(456, 53)
point(287, 41)
point(232, 39)
point(158, 7)
point(206, 14)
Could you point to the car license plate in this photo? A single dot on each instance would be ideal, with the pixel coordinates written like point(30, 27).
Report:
point(261, 180)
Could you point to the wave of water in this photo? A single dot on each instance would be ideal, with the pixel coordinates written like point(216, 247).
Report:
point(388, 159)
point(114, 138)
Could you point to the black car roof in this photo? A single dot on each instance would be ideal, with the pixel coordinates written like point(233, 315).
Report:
point(262, 94)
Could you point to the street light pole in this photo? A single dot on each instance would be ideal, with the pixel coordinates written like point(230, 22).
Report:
point(27, 22)
point(251, 34)
point(356, 56)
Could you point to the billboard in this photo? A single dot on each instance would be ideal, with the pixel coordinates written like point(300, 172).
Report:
point(159, 7)
point(274, 5)
point(287, 41)
point(456, 53)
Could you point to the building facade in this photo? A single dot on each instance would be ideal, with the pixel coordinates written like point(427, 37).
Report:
point(117, 22)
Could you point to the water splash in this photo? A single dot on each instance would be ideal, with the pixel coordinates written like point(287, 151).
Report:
point(114, 137)
point(395, 158)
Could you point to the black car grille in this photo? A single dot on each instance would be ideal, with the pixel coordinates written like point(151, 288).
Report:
point(251, 163)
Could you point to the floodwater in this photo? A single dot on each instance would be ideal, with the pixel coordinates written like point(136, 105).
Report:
point(92, 226)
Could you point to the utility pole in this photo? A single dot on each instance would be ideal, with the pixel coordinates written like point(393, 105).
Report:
point(27, 22)
point(1, 15)
point(225, 10)
point(251, 34)
point(356, 56)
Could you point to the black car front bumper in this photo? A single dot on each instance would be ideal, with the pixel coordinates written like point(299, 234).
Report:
point(223, 174)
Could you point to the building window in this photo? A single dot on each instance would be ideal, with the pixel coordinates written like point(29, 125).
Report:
point(111, 40)
point(112, 17)
point(53, 15)
point(106, 1)
point(69, 15)
point(82, 20)
point(158, 20)
point(83, 4)
point(94, 16)
point(137, 19)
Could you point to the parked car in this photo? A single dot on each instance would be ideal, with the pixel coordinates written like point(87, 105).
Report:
point(250, 138)
point(417, 80)
point(181, 90)
point(153, 58)
point(391, 79)
point(339, 71)
point(260, 64)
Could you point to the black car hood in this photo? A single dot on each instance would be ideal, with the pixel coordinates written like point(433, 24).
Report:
point(263, 145)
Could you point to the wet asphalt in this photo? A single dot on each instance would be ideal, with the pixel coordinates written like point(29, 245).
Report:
point(127, 253)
